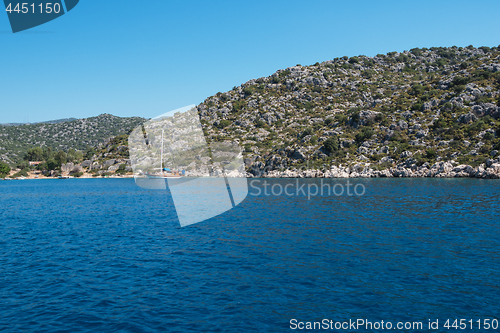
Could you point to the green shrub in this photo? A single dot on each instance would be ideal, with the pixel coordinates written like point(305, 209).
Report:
point(238, 105)
point(417, 106)
point(34, 154)
point(331, 145)
point(485, 49)
point(52, 164)
point(78, 174)
point(341, 118)
point(22, 165)
point(328, 121)
point(441, 62)
point(122, 168)
point(224, 123)
point(355, 117)
point(385, 165)
point(248, 91)
point(479, 74)
point(354, 60)
point(417, 90)
point(309, 105)
point(22, 173)
point(403, 58)
point(41, 166)
point(458, 89)
point(307, 131)
point(488, 136)
point(284, 73)
point(430, 154)
point(416, 51)
point(475, 127)
point(364, 134)
point(439, 123)
point(460, 80)
point(60, 158)
point(260, 123)
point(4, 169)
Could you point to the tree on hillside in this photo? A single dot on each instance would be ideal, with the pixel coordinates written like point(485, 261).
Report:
point(89, 152)
point(4, 170)
point(34, 154)
point(60, 158)
point(74, 155)
point(22, 165)
point(47, 153)
point(52, 164)
point(331, 145)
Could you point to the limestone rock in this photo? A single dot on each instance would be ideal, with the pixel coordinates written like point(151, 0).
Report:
point(403, 124)
point(76, 169)
point(406, 154)
point(66, 168)
point(467, 118)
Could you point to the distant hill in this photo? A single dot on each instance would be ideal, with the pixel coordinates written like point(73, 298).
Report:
point(57, 121)
point(63, 134)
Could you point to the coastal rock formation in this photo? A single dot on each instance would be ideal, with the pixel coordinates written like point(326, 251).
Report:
point(437, 170)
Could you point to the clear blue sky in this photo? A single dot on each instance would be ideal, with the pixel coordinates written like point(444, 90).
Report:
point(144, 58)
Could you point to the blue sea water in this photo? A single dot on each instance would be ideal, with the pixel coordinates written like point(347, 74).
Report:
point(103, 255)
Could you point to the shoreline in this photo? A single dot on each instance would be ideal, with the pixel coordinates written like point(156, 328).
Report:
point(85, 176)
point(490, 170)
point(450, 169)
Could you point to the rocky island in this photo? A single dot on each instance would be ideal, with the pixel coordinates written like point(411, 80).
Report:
point(418, 113)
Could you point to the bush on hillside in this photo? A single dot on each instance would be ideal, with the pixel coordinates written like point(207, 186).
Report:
point(4, 169)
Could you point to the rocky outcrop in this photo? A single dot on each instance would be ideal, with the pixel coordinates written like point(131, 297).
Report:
point(467, 118)
point(71, 168)
point(491, 170)
point(66, 168)
point(77, 169)
point(86, 163)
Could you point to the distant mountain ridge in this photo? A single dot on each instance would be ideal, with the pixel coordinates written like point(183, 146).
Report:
point(57, 121)
point(63, 134)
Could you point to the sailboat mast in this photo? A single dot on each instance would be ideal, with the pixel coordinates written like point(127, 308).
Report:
point(161, 155)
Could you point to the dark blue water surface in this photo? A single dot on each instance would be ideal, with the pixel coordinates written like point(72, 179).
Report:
point(103, 255)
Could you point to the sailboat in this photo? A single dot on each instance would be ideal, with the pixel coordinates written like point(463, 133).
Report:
point(165, 172)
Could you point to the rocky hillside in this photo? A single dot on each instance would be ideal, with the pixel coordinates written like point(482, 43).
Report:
point(395, 114)
point(61, 136)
